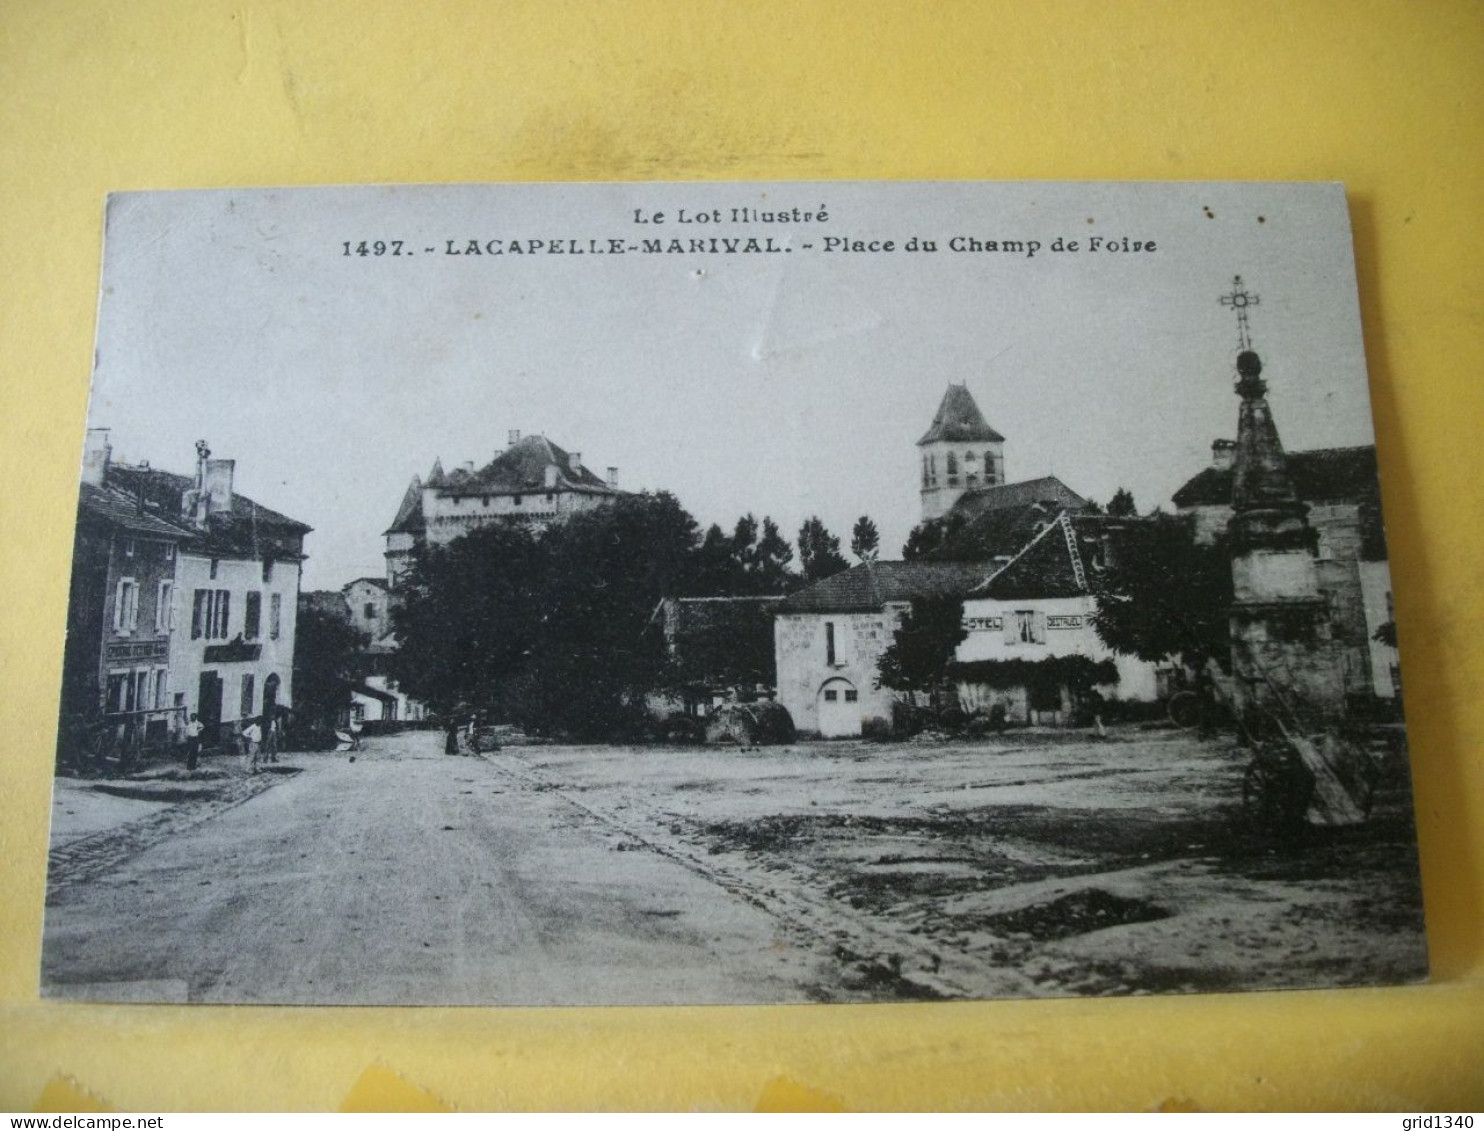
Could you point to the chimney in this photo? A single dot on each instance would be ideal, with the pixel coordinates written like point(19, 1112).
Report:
point(613, 477)
point(218, 484)
point(1223, 454)
point(513, 438)
point(468, 466)
point(574, 462)
point(95, 455)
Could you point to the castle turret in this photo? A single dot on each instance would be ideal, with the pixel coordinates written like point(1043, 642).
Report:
point(959, 452)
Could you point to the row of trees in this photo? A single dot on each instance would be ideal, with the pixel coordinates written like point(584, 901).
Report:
point(549, 628)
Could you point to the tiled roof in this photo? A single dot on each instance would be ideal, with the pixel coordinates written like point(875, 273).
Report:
point(248, 529)
point(998, 533)
point(959, 420)
point(409, 519)
point(1045, 566)
point(1047, 489)
point(872, 585)
point(1322, 475)
point(129, 511)
point(377, 582)
point(1042, 569)
point(522, 467)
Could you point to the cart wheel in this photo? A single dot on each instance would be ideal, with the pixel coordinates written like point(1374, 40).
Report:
point(1185, 709)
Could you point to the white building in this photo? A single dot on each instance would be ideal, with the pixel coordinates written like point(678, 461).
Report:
point(829, 637)
point(235, 598)
point(1031, 616)
point(533, 481)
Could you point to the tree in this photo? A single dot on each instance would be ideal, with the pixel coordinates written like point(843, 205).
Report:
point(1165, 595)
point(770, 561)
point(932, 538)
point(1121, 505)
point(547, 630)
point(923, 645)
point(329, 660)
point(865, 541)
point(819, 551)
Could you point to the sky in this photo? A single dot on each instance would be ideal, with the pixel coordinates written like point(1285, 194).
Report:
point(787, 383)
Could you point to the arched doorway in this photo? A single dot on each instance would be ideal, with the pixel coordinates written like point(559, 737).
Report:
point(839, 708)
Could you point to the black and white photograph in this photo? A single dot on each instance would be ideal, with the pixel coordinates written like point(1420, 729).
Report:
point(693, 594)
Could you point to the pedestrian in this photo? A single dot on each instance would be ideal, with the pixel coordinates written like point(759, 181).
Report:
point(252, 735)
point(270, 738)
point(193, 742)
point(451, 736)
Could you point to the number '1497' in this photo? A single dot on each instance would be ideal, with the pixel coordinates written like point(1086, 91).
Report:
point(374, 247)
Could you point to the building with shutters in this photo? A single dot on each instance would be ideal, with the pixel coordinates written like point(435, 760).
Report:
point(184, 599)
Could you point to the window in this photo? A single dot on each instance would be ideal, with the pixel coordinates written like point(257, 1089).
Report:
point(990, 476)
point(211, 612)
point(126, 606)
point(515, 501)
point(214, 565)
point(829, 644)
point(200, 613)
point(831, 696)
point(551, 500)
point(1025, 626)
point(852, 696)
point(370, 611)
point(952, 470)
point(164, 609)
point(159, 687)
point(252, 615)
point(169, 551)
point(247, 695)
point(129, 547)
point(267, 569)
point(275, 614)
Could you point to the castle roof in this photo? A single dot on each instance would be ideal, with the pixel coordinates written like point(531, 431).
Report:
point(871, 586)
point(522, 467)
point(409, 519)
point(959, 421)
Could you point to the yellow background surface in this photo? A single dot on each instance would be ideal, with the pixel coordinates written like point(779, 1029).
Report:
point(1384, 96)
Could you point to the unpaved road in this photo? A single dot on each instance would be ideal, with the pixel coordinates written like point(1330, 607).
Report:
point(1031, 865)
point(411, 877)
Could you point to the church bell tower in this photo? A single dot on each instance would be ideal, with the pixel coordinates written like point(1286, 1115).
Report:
point(959, 453)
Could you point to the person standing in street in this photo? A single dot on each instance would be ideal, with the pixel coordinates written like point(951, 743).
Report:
point(252, 736)
point(193, 742)
point(451, 736)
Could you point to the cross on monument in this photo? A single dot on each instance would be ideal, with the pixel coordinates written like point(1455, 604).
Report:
point(1239, 300)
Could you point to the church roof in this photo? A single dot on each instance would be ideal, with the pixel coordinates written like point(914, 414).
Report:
point(959, 421)
point(872, 585)
point(522, 467)
point(1047, 489)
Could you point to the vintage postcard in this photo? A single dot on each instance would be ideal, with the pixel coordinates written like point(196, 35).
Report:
point(729, 593)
